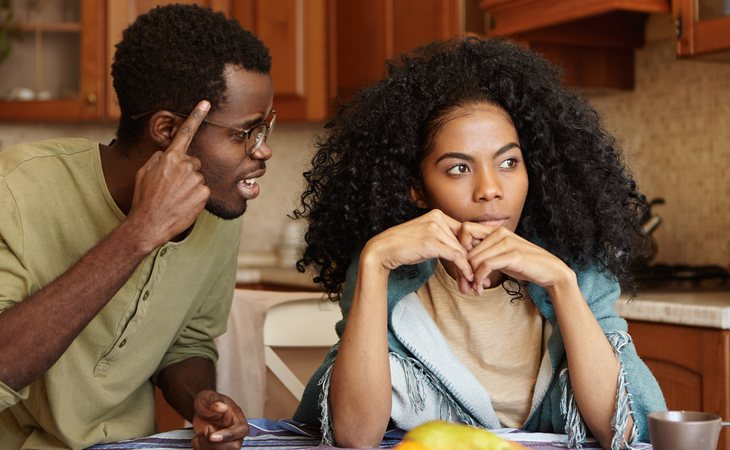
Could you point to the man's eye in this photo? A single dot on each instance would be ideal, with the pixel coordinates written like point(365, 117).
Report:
point(458, 169)
point(241, 135)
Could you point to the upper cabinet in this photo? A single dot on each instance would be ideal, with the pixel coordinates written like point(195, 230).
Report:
point(295, 31)
point(321, 50)
point(592, 40)
point(366, 33)
point(55, 67)
point(703, 27)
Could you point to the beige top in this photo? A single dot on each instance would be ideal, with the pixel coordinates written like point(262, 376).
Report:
point(55, 206)
point(498, 339)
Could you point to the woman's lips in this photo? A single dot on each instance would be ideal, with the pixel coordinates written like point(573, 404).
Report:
point(492, 220)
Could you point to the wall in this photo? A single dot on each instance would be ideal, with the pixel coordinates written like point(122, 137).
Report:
point(265, 218)
point(674, 127)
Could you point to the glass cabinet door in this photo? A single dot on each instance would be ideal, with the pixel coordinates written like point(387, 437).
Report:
point(703, 28)
point(52, 70)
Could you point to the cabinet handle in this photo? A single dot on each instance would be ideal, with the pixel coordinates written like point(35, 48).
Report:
point(91, 98)
point(678, 25)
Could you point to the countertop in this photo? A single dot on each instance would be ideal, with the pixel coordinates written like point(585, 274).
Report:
point(276, 275)
point(698, 308)
point(709, 308)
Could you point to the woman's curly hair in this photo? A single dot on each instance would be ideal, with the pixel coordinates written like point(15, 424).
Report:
point(174, 56)
point(582, 204)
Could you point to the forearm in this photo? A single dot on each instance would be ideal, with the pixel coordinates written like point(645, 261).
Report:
point(360, 392)
point(36, 332)
point(181, 382)
point(594, 367)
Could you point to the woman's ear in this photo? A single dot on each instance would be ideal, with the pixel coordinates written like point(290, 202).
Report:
point(417, 197)
point(163, 126)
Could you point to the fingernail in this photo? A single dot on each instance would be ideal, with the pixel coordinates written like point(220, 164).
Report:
point(204, 105)
point(215, 438)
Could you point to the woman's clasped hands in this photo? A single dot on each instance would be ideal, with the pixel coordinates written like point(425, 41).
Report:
point(476, 255)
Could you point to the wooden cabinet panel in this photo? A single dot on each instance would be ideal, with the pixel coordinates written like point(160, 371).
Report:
point(370, 32)
point(295, 31)
point(592, 40)
point(691, 364)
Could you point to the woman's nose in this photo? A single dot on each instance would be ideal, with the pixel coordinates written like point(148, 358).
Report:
point(488, 187)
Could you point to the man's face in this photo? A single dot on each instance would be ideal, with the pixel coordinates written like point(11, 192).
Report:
point(228, 171)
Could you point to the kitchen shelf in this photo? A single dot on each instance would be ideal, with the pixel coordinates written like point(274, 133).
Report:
point(59, 27)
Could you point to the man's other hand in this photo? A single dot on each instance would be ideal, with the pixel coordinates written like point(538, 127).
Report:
point(219, 423)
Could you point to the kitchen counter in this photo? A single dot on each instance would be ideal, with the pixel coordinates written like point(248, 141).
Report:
point(709, 309)
point(287, 277)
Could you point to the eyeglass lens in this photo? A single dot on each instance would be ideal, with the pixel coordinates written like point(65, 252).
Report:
point(260, 133)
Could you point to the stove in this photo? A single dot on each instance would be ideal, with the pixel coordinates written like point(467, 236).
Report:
point(683, 277)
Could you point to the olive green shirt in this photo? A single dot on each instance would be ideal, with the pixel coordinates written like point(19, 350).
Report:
point(54, 207)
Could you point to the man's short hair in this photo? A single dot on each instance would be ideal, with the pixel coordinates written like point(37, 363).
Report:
point(174, 56)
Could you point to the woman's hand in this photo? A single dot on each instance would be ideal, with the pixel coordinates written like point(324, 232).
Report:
point(432, 235)
point(497, 249)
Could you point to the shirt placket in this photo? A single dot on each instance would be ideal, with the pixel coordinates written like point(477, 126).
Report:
point(136, 312)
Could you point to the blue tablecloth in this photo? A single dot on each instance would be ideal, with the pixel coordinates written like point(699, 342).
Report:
point(288, 434)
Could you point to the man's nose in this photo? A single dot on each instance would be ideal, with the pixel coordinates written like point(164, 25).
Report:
point(262, 153)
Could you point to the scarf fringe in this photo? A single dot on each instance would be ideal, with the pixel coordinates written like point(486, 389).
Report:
point(575, 428)
point(417, 378)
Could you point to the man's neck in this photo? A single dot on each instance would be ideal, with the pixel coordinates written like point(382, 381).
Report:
point(120, 166)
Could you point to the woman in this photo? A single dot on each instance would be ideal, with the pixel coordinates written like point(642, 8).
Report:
point(480, 220)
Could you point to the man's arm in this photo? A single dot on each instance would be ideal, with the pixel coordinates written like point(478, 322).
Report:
point(169, 194)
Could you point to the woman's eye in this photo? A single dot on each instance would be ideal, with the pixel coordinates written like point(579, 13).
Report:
point(508, 163)
point(458, 169)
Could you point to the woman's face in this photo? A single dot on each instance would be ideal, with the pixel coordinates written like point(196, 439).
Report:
point(475, 171)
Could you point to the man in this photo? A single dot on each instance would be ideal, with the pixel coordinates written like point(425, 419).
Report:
point(117, 263)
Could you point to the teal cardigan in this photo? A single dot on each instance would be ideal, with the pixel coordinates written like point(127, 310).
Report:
point(430, 383)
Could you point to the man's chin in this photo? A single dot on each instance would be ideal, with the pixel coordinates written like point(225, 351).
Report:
point(224, 213)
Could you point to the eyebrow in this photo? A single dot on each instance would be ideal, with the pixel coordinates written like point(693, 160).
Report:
point(464, 156)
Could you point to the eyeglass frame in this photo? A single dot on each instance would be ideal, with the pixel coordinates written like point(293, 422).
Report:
point(240, 132)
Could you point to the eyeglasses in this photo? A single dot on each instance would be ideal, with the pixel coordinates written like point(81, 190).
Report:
point(252, 137)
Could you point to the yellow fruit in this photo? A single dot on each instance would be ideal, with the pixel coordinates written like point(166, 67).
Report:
point(440, 435)
point(410, 445)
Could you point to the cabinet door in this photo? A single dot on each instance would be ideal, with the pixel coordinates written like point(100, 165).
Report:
point(119, 15)
point(369, 32)
point(691, 364)
point(703, 27)
point(55, 69)
point(295, 31)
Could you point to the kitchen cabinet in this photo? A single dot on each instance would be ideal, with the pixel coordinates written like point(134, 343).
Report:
point(321, 49)
point(366, 33)
point(293, 30)
point(691, 364)
point(55, 69)
point(703, 28)
point(593, 41)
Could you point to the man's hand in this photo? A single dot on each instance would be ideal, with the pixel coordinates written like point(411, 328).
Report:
point(169, 190)
point(219, 423)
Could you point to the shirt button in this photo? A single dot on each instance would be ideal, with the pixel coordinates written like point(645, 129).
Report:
point(123, 343)
point(145, 295)
point(163, 251)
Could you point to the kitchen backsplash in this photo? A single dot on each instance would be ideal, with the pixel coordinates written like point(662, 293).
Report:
point(673, 127)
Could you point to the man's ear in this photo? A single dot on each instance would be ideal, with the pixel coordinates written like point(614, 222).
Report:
point(417, 197)
point(163, 126)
